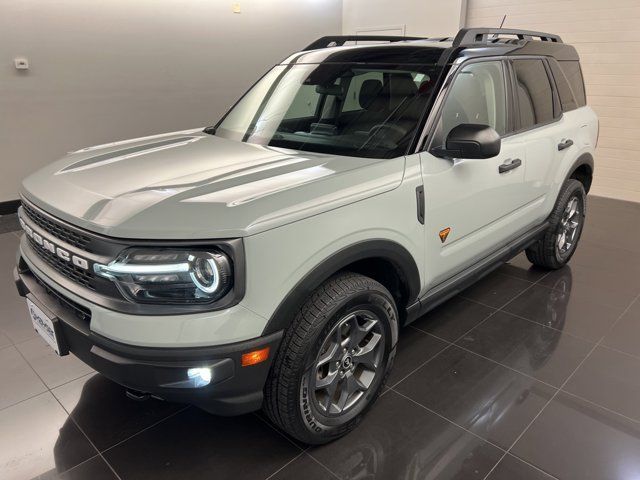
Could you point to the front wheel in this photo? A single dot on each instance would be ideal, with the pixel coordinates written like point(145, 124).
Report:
point(333, 360)
point(566, 222)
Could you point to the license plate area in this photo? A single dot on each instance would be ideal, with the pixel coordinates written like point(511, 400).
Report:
point(48, 326)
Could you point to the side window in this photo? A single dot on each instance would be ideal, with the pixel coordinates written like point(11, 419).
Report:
point(352, 98)
point(573, 73)
point(567, 99)
point(477, 96)
point(534, 94)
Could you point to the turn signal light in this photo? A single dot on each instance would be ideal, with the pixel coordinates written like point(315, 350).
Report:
point(257, 356)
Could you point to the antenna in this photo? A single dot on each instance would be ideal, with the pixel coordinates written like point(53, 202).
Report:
point(504, 17)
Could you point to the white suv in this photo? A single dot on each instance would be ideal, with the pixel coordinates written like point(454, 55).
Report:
point(270, 260)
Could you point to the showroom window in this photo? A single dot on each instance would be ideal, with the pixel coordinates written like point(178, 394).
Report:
point(533, 90)
point(477, 96)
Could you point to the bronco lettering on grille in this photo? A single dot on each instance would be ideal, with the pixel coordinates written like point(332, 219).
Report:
point(52, 247)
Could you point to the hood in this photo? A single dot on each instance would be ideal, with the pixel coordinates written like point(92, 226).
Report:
point(191, 185)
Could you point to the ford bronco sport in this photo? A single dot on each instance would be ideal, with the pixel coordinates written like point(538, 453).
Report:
point(269, 261)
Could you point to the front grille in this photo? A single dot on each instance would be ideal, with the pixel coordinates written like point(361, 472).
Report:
point(78, 310)
point(56, 229)
point(77, 274)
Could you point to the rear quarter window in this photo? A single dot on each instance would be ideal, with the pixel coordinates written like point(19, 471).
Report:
point(573, 72)
point(567, 98)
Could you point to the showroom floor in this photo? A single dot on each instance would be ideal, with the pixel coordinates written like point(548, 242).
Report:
point(526, 372)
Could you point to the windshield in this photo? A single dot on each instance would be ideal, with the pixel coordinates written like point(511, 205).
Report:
point(343, 109)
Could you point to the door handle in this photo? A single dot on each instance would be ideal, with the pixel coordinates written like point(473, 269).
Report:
point(505, 167)
point(565, 144)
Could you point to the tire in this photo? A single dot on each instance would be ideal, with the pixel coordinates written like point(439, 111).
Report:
point(547, 252)
point(343, 309)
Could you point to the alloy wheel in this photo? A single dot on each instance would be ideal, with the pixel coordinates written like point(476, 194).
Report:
point(347, 363)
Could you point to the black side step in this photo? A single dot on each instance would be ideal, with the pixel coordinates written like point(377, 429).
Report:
point(454, 285)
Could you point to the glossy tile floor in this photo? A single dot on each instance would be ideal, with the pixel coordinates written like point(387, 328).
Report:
point(527, 375)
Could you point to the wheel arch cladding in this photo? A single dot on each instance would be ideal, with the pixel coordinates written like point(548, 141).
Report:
point(582, 170)
point(387, 262)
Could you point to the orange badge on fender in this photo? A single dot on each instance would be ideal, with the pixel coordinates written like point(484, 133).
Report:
point(444, 233)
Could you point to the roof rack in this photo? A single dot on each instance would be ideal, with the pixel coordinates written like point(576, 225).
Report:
point(339, 40)
point(471, 36)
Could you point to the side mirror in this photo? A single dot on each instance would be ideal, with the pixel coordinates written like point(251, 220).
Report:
point(472, 141)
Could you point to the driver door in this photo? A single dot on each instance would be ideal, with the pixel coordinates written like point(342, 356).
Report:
point(473, 206)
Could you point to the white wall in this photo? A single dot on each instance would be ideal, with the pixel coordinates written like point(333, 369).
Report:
point(103, 71)
point(433, 18)
point(607, 37)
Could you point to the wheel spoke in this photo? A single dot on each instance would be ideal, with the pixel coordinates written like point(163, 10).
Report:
point(331, 355)
point(359, 332)
point(367, 356)
point(330, 381)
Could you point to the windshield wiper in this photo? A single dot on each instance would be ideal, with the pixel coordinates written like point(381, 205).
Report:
point(210, 130)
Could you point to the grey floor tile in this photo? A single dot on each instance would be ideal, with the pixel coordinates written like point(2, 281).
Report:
point(304, 467)
point(490, 400)
point(15, 322)
point(4, 340)
point(37, 437)
point(195, 444)
point(93, 469)
point(399, 439)
point(610, 379)
point(496, 289)
point(571, 312)
point(104, 412)
point(17, 378)
point(533, 349)
point(625, 335)
point(414, 348)
point(53, 369)
point(454, 318)
point(511, 468)
point(572, 439)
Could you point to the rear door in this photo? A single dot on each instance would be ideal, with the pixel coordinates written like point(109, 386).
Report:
point(540, 125)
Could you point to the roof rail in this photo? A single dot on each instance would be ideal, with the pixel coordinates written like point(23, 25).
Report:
point(471, 36)
point(339, 40)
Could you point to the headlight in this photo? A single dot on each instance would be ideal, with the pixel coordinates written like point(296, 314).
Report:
point(170, 275)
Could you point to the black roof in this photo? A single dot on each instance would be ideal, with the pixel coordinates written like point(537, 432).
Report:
point(468, 43)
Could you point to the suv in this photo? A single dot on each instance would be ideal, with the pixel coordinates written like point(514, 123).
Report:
point(269, 261)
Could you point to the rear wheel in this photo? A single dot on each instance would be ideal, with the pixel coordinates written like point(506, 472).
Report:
point(333, 360)
point(560, 240)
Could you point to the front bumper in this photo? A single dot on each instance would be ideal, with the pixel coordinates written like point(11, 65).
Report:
point(161, 372)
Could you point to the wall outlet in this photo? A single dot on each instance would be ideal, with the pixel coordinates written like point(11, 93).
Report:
point(21, 63)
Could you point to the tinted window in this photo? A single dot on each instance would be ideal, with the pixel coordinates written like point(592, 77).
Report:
point(567, 99)
point(477, 96)
point(574, 76)
point(534, 94)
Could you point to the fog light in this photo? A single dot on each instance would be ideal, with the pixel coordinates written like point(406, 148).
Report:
point(201, 377)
